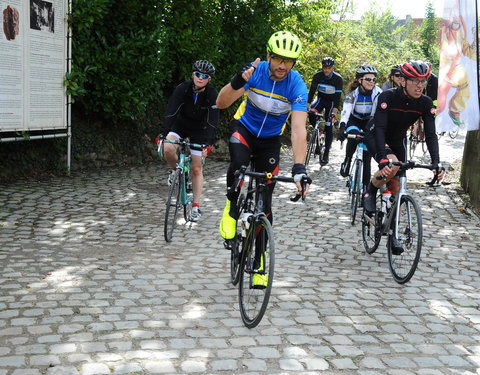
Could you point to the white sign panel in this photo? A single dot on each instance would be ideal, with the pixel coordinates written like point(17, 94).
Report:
point(33, 62)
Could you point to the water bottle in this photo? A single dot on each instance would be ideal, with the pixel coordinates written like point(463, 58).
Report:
point(386, 202)
point(245, 223)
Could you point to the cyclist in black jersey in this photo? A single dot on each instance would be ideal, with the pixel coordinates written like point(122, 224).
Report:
point(385, 134)
point(393, 78)
point(190, 114)
point(328, 85)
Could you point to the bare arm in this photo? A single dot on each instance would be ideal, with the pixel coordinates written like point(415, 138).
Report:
point(228, 94)
point(299, 136)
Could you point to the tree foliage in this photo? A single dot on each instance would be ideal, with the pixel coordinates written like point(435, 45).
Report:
point(128, 56)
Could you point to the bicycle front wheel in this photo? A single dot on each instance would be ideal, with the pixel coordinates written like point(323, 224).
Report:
point(312, 143)
point(372, 229)
point(237, 243)
point(321, 148)
point(173, 205)
point(356, 191)
point(256, 276)
point(453, 134)
point(403, 262)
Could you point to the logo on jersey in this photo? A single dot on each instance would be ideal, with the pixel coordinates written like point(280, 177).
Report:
point(383, 105)
point(299, 99)
point(432, 111)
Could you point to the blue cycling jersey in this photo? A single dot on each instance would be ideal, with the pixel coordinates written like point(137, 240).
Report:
point(267, 104)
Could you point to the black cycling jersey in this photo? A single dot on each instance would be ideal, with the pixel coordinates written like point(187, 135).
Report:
point(191, 113)
point(431, 89)
point(395, 113)
point(327, 88)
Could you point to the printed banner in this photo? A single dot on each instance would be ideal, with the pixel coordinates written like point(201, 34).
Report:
point(33, 62)
point(458, 82)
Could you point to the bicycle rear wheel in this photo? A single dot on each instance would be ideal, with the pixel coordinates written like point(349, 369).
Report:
point(356, 191)
point(410, 236)
point(312, 143)
point(173, 204)
point(258, 259)
point(412, 145)
point(372, 228)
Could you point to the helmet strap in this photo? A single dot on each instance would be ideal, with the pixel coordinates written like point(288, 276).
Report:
point(198, 89)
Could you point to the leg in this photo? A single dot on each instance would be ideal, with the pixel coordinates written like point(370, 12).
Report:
point(197, 177)
point(240, 150)
point(170, 150)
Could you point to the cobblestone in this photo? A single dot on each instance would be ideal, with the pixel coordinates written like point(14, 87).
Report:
point(89, 286)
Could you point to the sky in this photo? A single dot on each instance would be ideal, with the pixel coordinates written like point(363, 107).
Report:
point(400, 9)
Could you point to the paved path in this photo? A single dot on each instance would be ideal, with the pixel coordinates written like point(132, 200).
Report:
point(89, 286)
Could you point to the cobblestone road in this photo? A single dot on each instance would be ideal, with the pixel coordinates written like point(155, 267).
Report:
point(89, 286)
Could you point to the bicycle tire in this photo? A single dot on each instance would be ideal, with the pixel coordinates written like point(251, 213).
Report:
point(453, 133)
point(237, 243)
point(412, 146)
point(173, 205)
point(371, 228)
point(187, 208)
point(355, 197)
point(410, 233)
point(312, 143)
point(253, 302)
point(321, 147)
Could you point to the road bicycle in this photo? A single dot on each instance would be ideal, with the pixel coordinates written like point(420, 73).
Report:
point(316, 144)
point(398, 217)
point(417, 136)
point(452, 133)
point(355, 178)
point(180, 193)
point(252, 250)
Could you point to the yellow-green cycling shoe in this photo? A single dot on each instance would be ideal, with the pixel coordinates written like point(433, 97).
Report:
point(228, 224)
point(260, 281)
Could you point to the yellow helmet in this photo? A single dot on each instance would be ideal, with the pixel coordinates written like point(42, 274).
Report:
point(284, 43)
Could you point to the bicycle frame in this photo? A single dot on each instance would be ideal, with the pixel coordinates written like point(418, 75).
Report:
point(184, 165)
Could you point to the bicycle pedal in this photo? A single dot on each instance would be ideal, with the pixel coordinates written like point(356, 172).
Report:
point(227, 245)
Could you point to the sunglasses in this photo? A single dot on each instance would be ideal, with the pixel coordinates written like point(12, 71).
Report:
point(397, 75)
point(368, 79)
point(280, 59)
point(201, 75)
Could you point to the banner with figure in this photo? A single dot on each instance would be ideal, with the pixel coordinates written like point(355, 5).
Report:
point(458, 85)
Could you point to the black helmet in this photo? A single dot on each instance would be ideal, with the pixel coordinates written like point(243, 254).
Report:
point(365, 69)
point(396, 69)
point(203, 66)
point(328, 61)
point(416, 69)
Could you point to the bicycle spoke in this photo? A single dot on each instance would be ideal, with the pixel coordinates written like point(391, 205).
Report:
point(404, 263)
point(258, 263)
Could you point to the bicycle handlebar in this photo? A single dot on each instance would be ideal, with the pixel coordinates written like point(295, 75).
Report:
point(355, 136)
point(266, 176)
point(183, 142)
point(411, 165)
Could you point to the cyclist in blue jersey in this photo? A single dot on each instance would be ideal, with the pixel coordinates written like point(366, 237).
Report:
point(272, 93)
point(328, 85)
point(359, 107)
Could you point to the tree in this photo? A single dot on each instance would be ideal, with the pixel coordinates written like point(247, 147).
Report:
point(428, 33)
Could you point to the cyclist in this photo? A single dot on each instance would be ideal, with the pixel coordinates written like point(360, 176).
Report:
point(393, 78)
point(189, 114)
point(385, 134)
point(359, 107)
point(272, 92)
point(328, 84)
